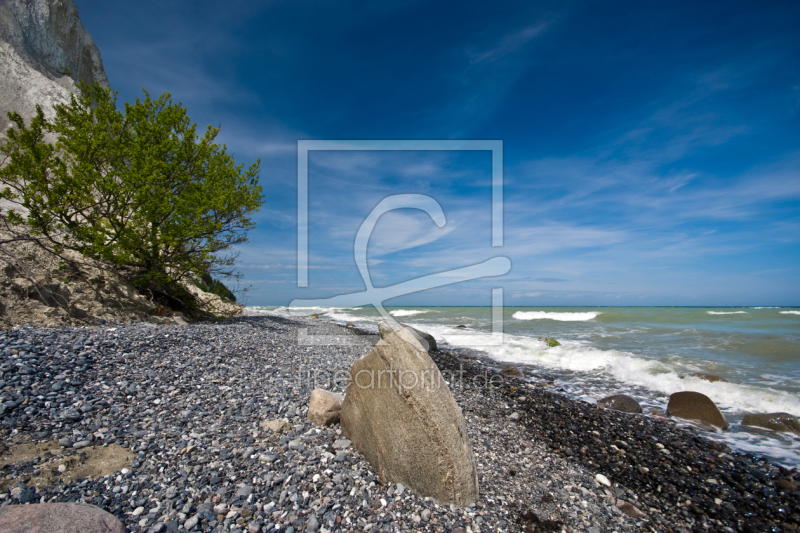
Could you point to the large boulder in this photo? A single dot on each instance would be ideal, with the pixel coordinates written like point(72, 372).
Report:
point(425, 340)
point(620, 402)
point(773, 421)
point(399, 413)
point(695, 406)
point(58, 518)
point(324, 407)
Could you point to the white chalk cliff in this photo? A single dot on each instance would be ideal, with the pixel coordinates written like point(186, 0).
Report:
point(44, 49)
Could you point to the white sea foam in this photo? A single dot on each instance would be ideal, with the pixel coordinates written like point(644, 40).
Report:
point(407, 312)
point(790, 312)
point(726, 312)
point(660, 377)
point(766, 307)
point(563, 317)
point(340, 315)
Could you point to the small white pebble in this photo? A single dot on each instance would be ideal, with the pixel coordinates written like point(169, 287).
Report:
point(603, 480)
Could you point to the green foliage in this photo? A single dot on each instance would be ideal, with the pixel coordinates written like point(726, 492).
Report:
point(67, 71)
point(137, 189)
point(215, 286)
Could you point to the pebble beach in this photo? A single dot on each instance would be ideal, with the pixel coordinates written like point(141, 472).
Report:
point(203, 428)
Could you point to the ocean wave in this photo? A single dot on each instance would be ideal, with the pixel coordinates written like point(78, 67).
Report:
point(628, 369)
point(407, 312)
point(790, 312)
point(726, 312)
point(563, 317)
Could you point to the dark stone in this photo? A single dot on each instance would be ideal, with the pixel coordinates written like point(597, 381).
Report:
point(620, 402)
point(512, 372)
point(695, 406)
point(773, 421)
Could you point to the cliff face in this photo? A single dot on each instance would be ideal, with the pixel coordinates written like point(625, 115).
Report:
point(44, 49)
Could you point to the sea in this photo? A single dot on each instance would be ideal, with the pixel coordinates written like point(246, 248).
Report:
point(647, 353)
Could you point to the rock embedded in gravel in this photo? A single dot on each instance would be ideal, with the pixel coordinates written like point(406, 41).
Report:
point(324, 407)
point(58, 518)
point(512, 372)
point(414, 336)
point(407, 424)
point(277, 426)
point(620, 402)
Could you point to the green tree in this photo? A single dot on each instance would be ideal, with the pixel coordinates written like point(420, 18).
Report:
point(137, 189)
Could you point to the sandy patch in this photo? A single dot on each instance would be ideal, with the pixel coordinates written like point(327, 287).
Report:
point(90, 462)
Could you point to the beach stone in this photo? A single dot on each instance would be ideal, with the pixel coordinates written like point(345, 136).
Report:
point(695, 406)
point(773, 421)
point(191, 522)
point(512, 372)
point(58, 518)
point(244, 491)
point(461, 326)
point(71, 415)
point(630, 509)
point(426, 340)
point(409, 427)
point(620, 402)
point(313, 315)
point(552, 343)
point(324, 407)
point(277, 425)
point(708, 377)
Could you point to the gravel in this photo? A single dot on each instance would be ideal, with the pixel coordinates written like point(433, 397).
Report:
point(190, 406)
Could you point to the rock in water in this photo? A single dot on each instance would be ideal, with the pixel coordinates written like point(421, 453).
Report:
point(773, 421)
point(552, 343)
point(620, 402)
point(708, 377)
point(324, 407)
point(695, 406)
point(58, 518)
point(425, 340)
point(512, 372)
point(401, 416)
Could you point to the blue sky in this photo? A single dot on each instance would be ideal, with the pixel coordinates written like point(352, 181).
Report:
point(651, 152)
